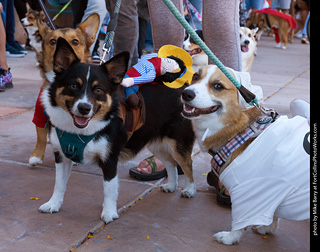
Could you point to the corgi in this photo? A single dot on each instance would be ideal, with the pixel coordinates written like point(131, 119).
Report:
point(262, 159)
point(83, 102)
point(30, 24)
point(282, 24)
point(80, 39)
point(248, 46)
point(199, 57)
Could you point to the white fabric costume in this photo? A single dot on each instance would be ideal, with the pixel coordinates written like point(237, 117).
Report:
point(272, 176)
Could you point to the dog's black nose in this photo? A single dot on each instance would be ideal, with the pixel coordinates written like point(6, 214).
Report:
point(188, 95)
point(84, 108)
point(247, 42)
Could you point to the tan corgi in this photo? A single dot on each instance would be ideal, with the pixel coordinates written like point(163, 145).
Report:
point(262, 159)
point(248, 46)
point(80, 40)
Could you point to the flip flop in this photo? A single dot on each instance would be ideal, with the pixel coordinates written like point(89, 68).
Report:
point(222, 198)
point(155, 175)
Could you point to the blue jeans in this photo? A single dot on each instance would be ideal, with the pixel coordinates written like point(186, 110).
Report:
point(130, 90)
point(254, 4)
point(304, 31)
point(8, 20)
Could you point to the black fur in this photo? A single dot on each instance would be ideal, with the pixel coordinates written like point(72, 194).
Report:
point(163, 107)
point(163, 119)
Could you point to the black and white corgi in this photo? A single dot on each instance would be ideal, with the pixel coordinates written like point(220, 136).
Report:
point(82, 104)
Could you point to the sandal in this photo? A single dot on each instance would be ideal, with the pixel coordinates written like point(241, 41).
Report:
point(222, 198)
point(155, 175)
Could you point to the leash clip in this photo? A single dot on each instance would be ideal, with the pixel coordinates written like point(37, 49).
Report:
point(267, 111)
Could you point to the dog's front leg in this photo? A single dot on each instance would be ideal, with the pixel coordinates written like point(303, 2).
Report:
point(110, 188)
point(63, 171)
point(172, 172)
point(265, 230)
point(40, 149)
point(229, 238)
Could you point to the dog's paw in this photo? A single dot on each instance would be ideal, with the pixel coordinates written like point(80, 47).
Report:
point(266, 230)
point(168, 188)
point(108, 216)
point(189, 191)
point(50, 207)
point(34, 161)
point(228, 238)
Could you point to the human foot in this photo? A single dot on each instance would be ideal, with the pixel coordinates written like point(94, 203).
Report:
point(148, 169)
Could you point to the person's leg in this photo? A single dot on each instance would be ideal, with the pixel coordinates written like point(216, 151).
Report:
point(220, 24)
point(10, 24)
point(126, 33)
point(3, 58)
point(166, 29)
point(304, 39)
point(78, 7)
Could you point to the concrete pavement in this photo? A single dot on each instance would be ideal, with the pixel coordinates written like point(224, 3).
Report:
point(150, 220)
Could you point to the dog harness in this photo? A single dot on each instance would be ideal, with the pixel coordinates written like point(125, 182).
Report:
point(221, 156)
point(73, 145)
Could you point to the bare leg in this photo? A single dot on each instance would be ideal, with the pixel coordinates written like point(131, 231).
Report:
point(3, 58)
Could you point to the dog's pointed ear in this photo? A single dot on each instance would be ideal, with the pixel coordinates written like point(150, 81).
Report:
point(42, 15)
point(64, 56)
point(28, 6)
point(117, 67)
point(89, 28)
point(43, 28)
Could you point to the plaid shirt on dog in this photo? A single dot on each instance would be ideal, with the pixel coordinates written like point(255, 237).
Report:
point(221, 156)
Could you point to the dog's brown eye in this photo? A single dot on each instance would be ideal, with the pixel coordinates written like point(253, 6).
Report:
point(218, 86)
point(195, 77)
point(98, 90)
point(53, 41)
point(75, 42)
point(74, 86)
point(249, 35)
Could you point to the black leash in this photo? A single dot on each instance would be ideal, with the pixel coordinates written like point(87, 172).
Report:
point(110, 32)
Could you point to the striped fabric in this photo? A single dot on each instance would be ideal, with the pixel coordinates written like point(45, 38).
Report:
point(146, 69)
point(221, 156)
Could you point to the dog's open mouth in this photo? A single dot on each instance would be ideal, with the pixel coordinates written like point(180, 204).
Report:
point(189, 111)
point(244, 48)
point(194, 51)
point(28, 25)
point(80, 121)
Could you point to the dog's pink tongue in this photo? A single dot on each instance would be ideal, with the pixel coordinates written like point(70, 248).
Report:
point(194, 51)
point(82, 121)
point(244, 48)
point(188, 107)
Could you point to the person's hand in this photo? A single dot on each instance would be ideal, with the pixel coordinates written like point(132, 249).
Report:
point(127, 82)
point(1, 8)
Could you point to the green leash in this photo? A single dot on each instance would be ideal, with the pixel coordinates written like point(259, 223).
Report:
point(247, 95)
point(63, 8)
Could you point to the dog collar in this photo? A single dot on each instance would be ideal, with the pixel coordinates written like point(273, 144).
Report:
point(221, 157)
point(73, 145)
